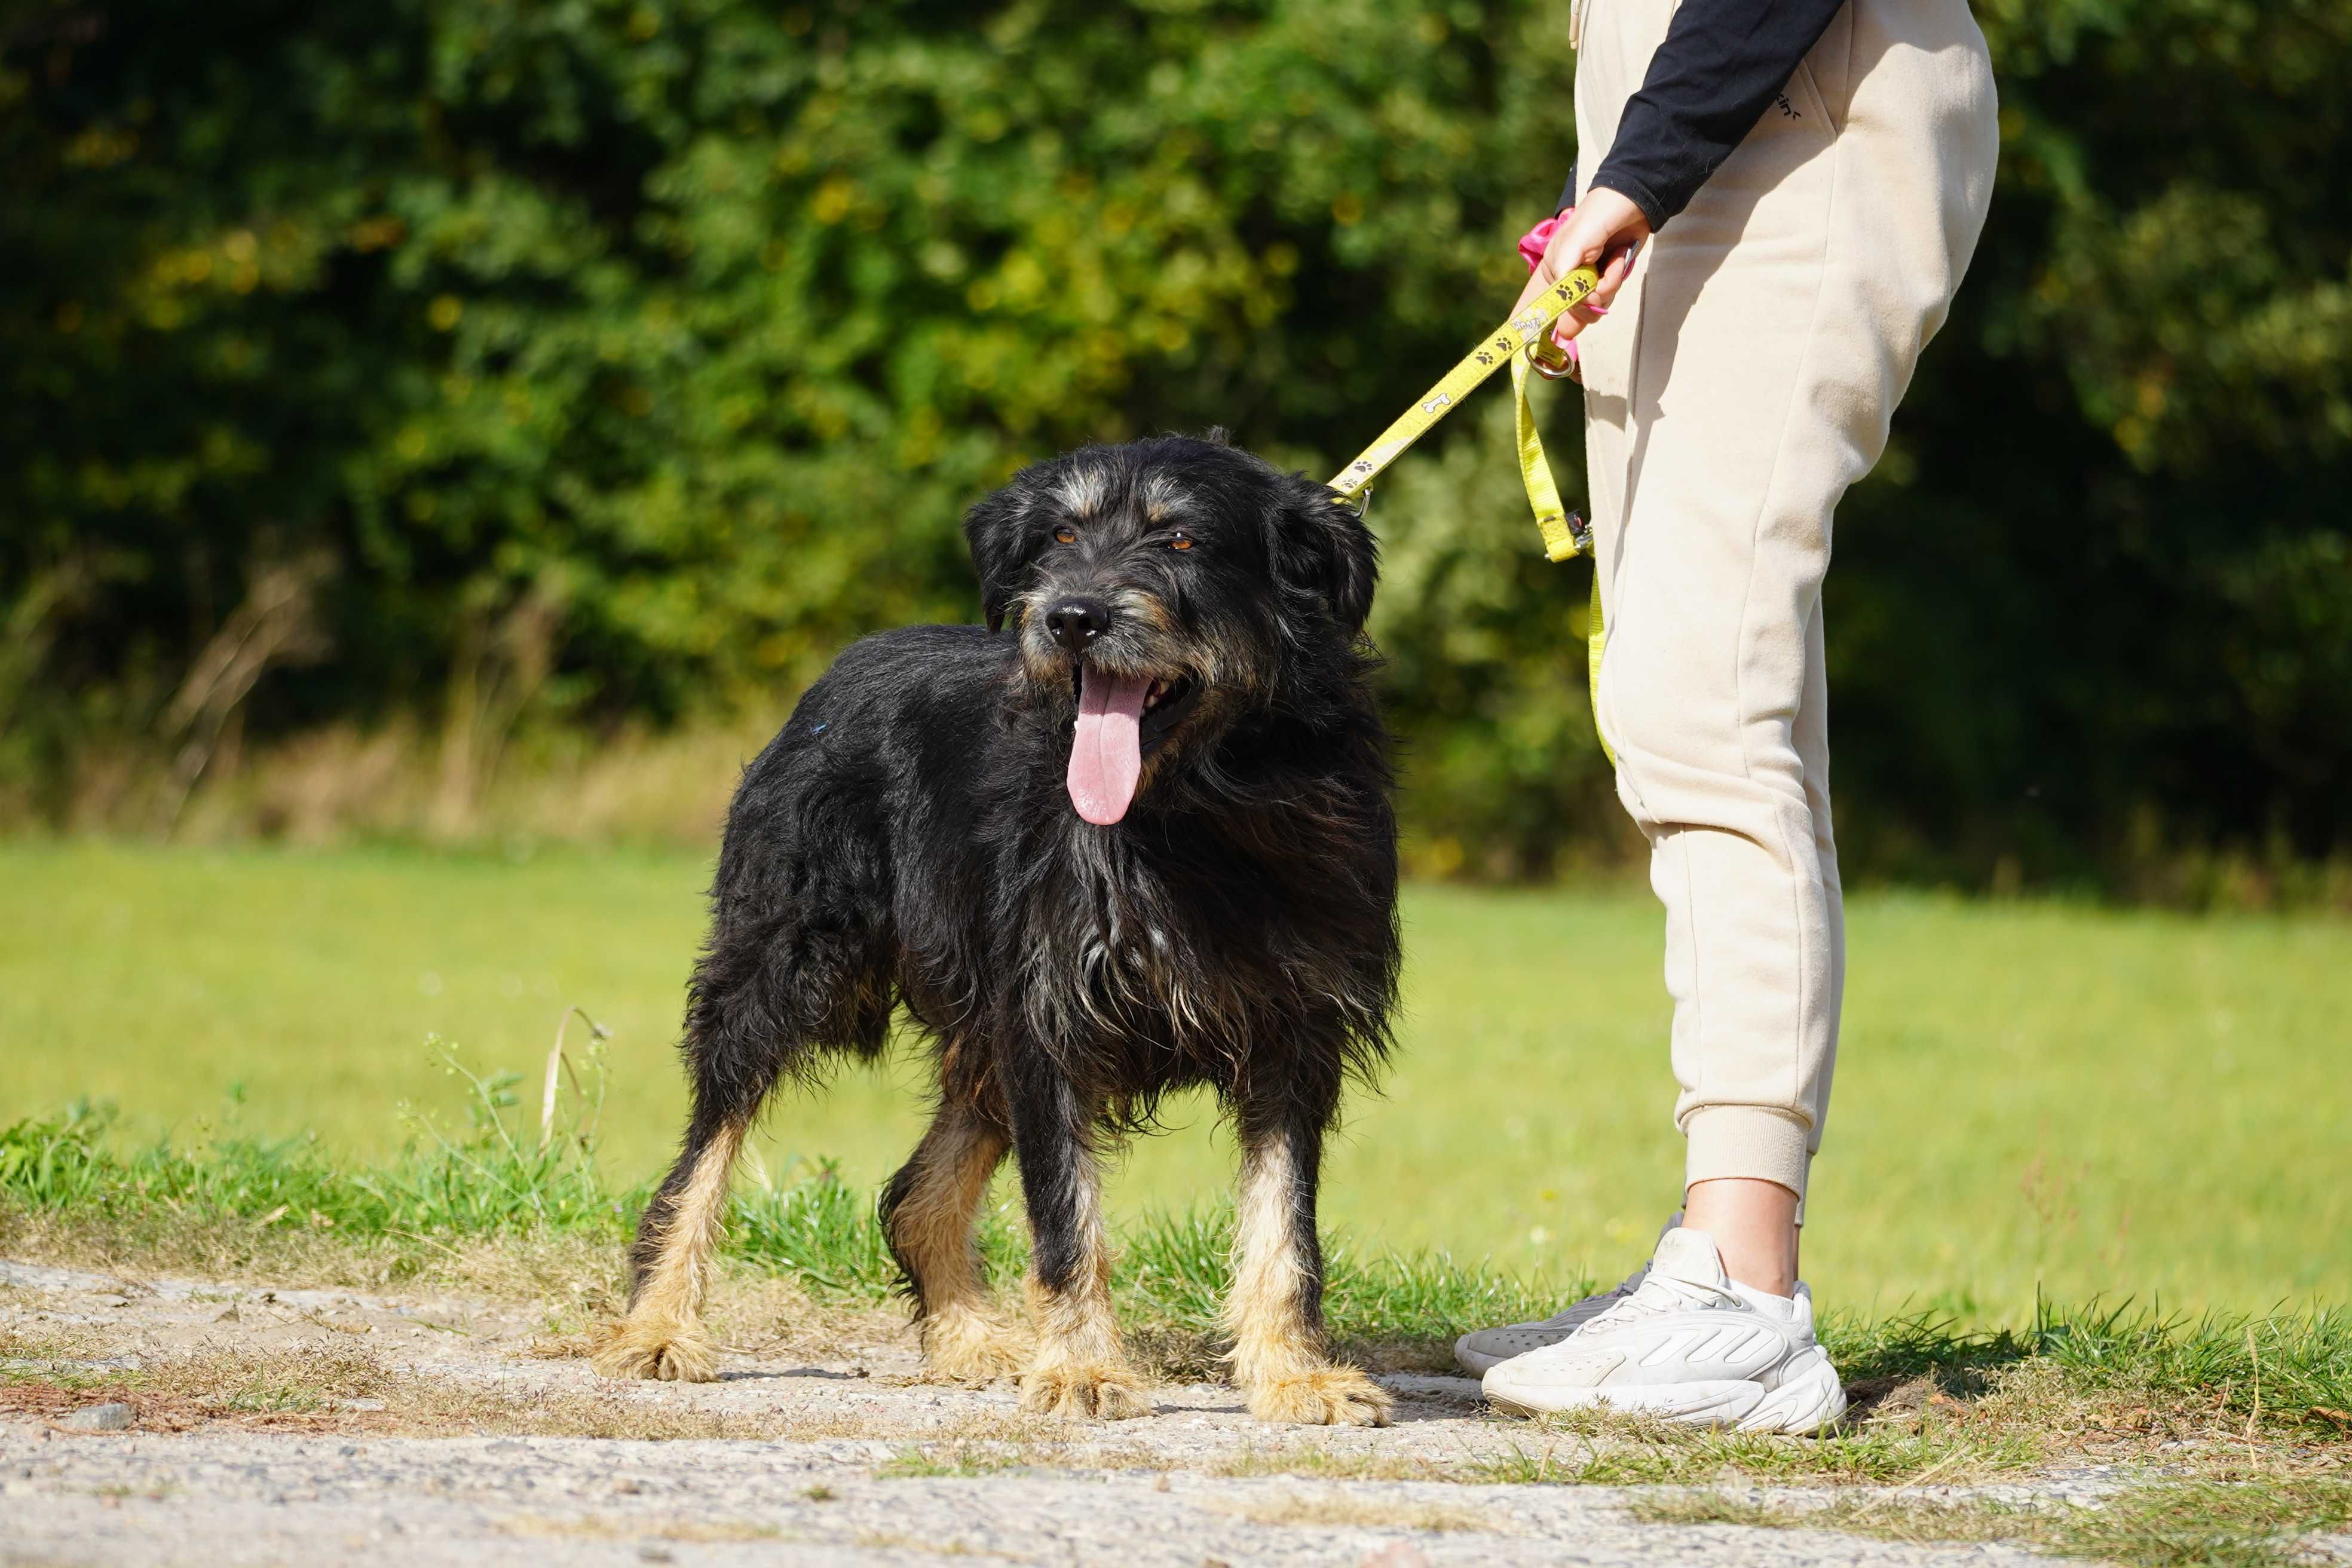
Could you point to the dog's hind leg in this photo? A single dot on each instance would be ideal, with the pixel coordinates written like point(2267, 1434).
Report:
point(799, 963)
point(662, 1337)
point(731, 1049)
point(1080, 1367)
point(926, 1212)
point(1275, 1310)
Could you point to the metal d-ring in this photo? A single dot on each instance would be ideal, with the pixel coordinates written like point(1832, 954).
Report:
point(1553, 366)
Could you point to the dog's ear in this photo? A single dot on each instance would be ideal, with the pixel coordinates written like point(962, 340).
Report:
point(996, 530)
point(1322, 548)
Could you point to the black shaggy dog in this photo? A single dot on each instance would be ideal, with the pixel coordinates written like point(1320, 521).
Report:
point(1133, 835)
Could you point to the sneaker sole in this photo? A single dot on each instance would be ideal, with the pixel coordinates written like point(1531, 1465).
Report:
point(1475, 1363)
point(1478, 1363)
point(1713, 1404)
point(1802, 1404)
point(1809, 1402)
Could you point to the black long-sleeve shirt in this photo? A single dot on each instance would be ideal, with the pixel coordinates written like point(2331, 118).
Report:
point(1723, 62)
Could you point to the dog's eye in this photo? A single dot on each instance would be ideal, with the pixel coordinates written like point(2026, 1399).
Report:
point(1065, 534)
point(1180, 542)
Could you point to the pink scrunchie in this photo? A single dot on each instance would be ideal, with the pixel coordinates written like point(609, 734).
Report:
point(1532, 245)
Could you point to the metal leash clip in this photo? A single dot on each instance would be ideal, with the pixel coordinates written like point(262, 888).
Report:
point(1550, 361)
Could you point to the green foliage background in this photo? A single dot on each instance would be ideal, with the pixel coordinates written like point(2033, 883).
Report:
point(659, 344)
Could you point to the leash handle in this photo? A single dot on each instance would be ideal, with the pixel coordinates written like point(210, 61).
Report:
point(1524, 340)
point(1512, 341)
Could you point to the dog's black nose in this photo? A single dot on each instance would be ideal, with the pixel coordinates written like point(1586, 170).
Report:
point(1075, 622)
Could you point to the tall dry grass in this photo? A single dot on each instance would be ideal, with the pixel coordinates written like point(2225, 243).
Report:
point(342, 784)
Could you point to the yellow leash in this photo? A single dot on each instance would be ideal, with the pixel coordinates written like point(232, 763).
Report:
point(1524, 335)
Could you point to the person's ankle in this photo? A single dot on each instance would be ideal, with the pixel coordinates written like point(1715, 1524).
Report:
point(1753, 1223)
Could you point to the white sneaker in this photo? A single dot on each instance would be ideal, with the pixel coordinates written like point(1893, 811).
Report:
point(1690, 1345)
point(1484, 1348)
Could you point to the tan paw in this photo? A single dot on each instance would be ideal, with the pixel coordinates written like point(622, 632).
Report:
point(1086, 1392)
point(964, 1345)
point(667, 1352)
point(1326, 1396)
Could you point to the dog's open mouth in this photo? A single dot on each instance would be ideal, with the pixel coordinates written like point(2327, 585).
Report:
point(1121, 717)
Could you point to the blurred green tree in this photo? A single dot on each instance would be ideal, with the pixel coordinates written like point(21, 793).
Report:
point(586, 359)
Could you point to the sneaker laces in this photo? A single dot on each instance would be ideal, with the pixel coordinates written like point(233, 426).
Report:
point(1617, 1292)
point(1658, 1293)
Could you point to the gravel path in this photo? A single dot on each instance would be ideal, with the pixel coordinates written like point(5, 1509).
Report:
point(839, 1457)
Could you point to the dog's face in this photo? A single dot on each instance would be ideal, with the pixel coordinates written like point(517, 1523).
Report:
point(1162, 591)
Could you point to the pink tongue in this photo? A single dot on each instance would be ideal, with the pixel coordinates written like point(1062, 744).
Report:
point(1106, 753)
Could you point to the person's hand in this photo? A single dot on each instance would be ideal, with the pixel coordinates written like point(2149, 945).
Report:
point(1600, 232)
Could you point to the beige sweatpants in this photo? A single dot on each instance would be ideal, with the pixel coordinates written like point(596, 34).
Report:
point(1743, 380)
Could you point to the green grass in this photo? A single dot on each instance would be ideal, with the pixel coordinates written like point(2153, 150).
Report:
point(165, 976)
point(954, 1460)
point(2244, 1524)
point(494, 1179)
point(2212, 1398)
point(2284, 1375)
point(2104, 1104)
point(1598, 1452)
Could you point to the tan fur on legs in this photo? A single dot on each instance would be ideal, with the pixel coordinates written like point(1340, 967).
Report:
point(965, 1343)
point(1278, 1355)
point(1086, 1391)
point(1335, 1394)
point(669, 1352)
point(1080, 1367)
point(932, 1230)
point(662, 1336)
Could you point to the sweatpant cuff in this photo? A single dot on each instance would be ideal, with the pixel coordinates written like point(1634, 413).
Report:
point(1748, 1140)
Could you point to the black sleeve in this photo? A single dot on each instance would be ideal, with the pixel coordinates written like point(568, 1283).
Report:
point(1723, 61)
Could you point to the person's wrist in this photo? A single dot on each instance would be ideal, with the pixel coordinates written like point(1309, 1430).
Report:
point(1627, 211)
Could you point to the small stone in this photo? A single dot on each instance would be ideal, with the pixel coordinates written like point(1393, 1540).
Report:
point(114, 1417)
point(1395, 1554)
point(650, 1553)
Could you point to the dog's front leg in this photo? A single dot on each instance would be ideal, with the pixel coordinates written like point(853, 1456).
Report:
point(1080, 1367)
point(1275, 1311)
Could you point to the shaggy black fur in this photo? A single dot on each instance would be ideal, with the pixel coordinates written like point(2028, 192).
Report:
point(907, 838)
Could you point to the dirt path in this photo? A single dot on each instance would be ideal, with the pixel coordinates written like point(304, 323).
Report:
point(309, 1425)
